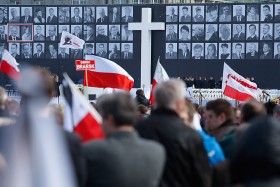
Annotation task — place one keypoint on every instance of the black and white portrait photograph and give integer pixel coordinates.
(238, 51)
(225, 13)
(62, 28)
(39, 15)
(64, 14)
(252, 12)
(51, 15)
(198, 13)
(252, 50)
(171, 51)
(101, 14)
(197, 51)
(101, 33)
(26, 33)
(127, 51)
(39, 50)
(198, 32)
(114, 14)
(76, 15)
(114, 33)
(225, 32)
(171, 32)
(76, 30)
(238, 32)
(277, 50)
(51, 33)
(127, 14)
(184, 51)
(212, 13)
(267, 12)
(2, 48)
(224, 51)
(14, 33)
(277, 13)
(3, 15)
(185, 14)
(101, 50)
(89, 14)
(14, 15)
(277, 31)
(184, 32)
(171, 13)
(89, 33)
(266, 31)
(26, 15)
(51, 50)
(211, 51)
(89, 49)
(211, 33)
(239, 13)
(63, 53)
(3, 33)
(76, 54)
(114, 51)
(127, 35)
(252, 31)
(26, 50)
(14, 49)
(266, 50)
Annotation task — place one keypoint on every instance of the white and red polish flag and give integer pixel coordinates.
(237, 87)
(69, 40)
(159, 76)
(107, 74)
(9, 65)
(79, 116)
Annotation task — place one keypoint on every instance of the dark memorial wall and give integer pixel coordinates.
(198, 38)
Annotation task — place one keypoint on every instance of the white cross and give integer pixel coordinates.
(146, 26)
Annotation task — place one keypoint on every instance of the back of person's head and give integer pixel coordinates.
(269, 107)
(139, 92)
(3, 96)
(220, 106)
(276, 111)
(142, 111)
(190, 111)
(252, 109)
(256, 154)
(13, 108)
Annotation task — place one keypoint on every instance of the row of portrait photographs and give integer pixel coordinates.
(250, 50)
(53, 51)
(75, 14)
(27, 33)
(222, 32)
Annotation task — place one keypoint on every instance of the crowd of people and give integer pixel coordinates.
(174, 143)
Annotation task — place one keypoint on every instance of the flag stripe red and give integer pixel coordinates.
(235, 94)
(9, 70)
(152, 99)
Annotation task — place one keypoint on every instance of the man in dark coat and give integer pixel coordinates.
(141, 98)
(211, 83)
(187, 162)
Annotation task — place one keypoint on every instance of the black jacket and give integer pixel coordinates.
(142, 100)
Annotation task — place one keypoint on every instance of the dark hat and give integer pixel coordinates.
(89, 45)
(38, 10)
(197, 8)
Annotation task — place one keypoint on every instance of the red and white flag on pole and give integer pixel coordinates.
(9, 65)
(237, 87)
(69, 40)
(159, 76)
(107, 74)
(79, 115)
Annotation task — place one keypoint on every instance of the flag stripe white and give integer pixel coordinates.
(69, 40)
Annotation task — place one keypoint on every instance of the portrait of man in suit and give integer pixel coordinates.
(171, 34)
(127, 14)
(101, 33)
(225, 15)
(114, 16)
(171, 51)
(3, 35)
(225, 51)
(197, 51)
(277, 51)
(61, 29)
(225, 32)
(39, 16)
(88, 49)
(88, 33)
(199, 15)
(127, 35)
(76, 53)
(52, 33)
(76, 18)
(38, 50)
(184, 51)
(127, 51)
(185, 15)
(64, 15)
(14, 33)
(266, 32)
(171, 14)
(38, 36)
(26, 16)
(212, 13)
(77, 30)
(277, 13)
(198, 33)
(51, 51)
(114, 33)
(184, 33)
(51, 15)
(266, 51)
(239, 33)
(211, 33)
(26, 50)
(252, 52)
(89, 15)
(252, 32)
(101, 50)
(2, 49)
(102, 18)
(239, 13)
(14, 49)
(239, 52)
(14, 12)
(3, 17)
(267, 13)
(277, 31)
(114, 51)
(62, 53)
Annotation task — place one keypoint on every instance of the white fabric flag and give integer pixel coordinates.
(69, 40)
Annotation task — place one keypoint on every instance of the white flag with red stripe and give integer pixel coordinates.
(9, 65)
(107, 74)
(237, 87)
(69, 40)
(159, 76)
(79, 116)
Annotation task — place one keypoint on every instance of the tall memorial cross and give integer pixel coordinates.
(146, 27)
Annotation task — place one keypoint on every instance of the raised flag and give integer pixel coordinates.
(159, 76)
(79, 116)
(237, 87)
(69, 40)
(107, 74)
(9, 65)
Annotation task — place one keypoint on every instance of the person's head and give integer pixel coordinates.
(198, 11)
(101, 47)
(14, 31)
(276, 112)
(126, 48)
(26, 30)
(266, 10)
(13, 108)
(38, 29)
(252, 47)
(239, 28)
(14, 48)
(114, 48)
(278, 48)
(89, 30)
(89, 48)
(139, 92)
(210, 29)
(26, 49)
(26, 11)
(171, 11)
(226, 10)
(51, 11)
(76, 12)
(224, 48)
(238, 48)
(211, 50)
(170, 48)
(238, 11)
(51, 47)
(252, 29)
(88, 12)
(278, 30)
(62, 50)
(118, 111)
(100, 30)
(1, 13)
(212, 10)
(52, 30)
(101, 12)
(115, 10)
(63, 12)
(266, 47)
(143, 111)
(252, 109)
(14, 12)
(266, 29)
(185, 31)
(39, 12)
(171, 29)
(77, 30)
(253, 10)
(127, 11)
(185, 47)
(217, 112)
(185, 10)
(269, 106)
(114, 30)
(39, 48)
(197, 50)
(64, 28)
(2, 29)
(188, 115)
(225, 31)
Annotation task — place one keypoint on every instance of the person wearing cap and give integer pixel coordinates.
(185, 17)
(88, 50)
(172, 17)
(225, 16)
(39, 16)
(63, 18)
(198, 17)
(212, 12)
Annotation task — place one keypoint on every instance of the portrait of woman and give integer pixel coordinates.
(253, 14)
(211, 52)
(27, 35)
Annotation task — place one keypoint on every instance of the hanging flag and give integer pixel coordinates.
(107, 74)
(159, 76)
(69, 40)
(79, 115)
(237, 87)
(9, 65)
